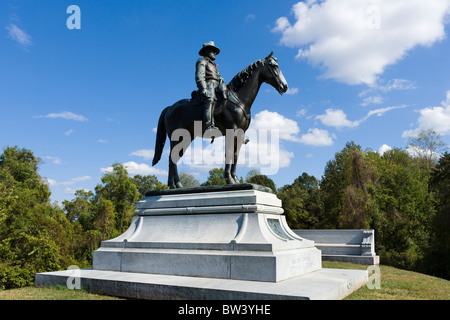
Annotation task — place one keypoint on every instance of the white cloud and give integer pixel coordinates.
(301, 113)
(373, 94)
(69, 132)
(147, 154)
(380, 112)
(355, 40)
(51, 182)
(83, 178)
(54, 160)
(292, 91)
(19, 35)
(288, 130)
(71, 191)
(264, 149)
(336, 118)
(135, 168)
(250, 17)
(377, 99)
(384, 148)
(102, 141)
(414, 151)
(436, 118)
(65, 115)
(72, 181)
(317, 137)
(267, 120)
(397, 84)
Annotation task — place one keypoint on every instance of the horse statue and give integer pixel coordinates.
(230, 114)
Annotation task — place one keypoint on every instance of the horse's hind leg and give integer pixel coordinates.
(237, 144)
(175, 155)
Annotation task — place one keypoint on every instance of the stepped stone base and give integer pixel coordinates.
(227, 242)
(218, 233)
(324, 284)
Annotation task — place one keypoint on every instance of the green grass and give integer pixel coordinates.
(55, 293)
(396, 284)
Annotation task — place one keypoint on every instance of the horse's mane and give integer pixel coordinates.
(241, 78)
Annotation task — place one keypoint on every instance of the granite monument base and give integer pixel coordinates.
(207, 239)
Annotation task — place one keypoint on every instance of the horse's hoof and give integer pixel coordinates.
(179, 185)
(231, 181)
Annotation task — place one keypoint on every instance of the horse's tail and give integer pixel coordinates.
(160, 137)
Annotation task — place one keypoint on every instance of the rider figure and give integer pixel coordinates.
(209, 82)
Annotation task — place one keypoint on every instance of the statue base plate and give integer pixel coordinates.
(227, 233)
(229, 243)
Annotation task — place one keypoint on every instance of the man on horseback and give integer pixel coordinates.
(209, 82)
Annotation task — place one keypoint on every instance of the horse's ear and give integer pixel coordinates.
(270, 54)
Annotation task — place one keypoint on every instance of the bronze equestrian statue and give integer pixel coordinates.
(230, 109)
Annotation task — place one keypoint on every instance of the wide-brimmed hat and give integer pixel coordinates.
(206, 45)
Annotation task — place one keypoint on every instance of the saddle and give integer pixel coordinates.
(197, 100)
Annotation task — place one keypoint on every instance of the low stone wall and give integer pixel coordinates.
(348, 245)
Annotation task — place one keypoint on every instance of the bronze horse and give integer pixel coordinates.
(232, 114)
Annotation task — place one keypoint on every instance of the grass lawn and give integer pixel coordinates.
(396, 284)
(56, 293)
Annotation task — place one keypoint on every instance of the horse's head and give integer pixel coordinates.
(273, 75)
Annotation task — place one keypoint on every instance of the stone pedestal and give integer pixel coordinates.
(229, 242)
(231, 232)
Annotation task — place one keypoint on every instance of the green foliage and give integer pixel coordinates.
(406, 202)
(337, 186)
(147, 183)
(34, 234)
(426, 145)
(188, 180)
(216, 177)
(107, 213)
(255, 177)
(121, 191)
(404, 209)
(302, 202)
(439, 252)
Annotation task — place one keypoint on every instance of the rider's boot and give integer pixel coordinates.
(208, 116)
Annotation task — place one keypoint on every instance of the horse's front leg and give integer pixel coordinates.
(228, 176)
(239, 136)
(234, 166)
(174, 179)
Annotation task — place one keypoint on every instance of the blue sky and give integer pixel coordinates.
(374, 72)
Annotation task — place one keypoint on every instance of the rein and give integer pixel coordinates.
(237, 102)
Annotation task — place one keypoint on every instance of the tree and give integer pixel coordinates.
(439, 251)
(107, 213)
(302, 203)
(79, 208)
(34, 234)
(404, 209)
(147, 183)
(216, 177)
(427, 145)
(337, 178)
(120, 189)
(188, 180)
(357, 206)
(254, 176)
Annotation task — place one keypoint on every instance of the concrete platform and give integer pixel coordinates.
(323, 284)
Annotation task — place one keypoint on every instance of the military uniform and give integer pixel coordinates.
(209, 83)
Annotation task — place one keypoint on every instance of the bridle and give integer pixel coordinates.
(274, 76)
